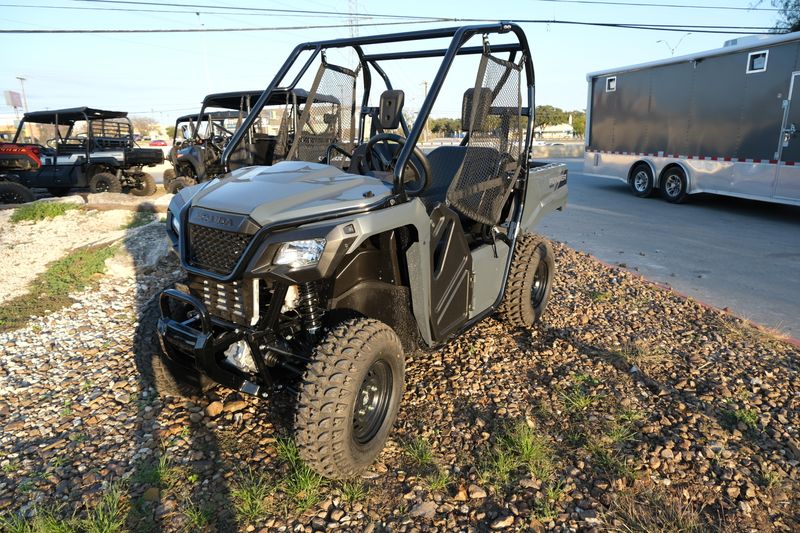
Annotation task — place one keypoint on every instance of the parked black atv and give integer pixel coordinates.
(85, 148)
(319, 272)
(200, 139)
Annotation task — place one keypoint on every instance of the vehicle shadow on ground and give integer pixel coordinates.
(177, 481)
(670, 399)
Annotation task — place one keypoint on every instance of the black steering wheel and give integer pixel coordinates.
(418, 163)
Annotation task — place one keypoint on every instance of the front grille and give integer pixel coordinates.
(235, 301)
(215, 249)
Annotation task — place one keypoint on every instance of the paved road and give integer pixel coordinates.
(740, 254)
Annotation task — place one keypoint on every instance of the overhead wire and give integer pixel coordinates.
(642, 4)
(733, 30)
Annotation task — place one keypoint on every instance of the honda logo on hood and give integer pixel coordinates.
(223, 221)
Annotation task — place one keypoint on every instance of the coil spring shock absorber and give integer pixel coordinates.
(309, 306)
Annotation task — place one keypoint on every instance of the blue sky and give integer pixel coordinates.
(165, 75)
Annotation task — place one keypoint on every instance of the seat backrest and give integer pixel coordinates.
(391, 110)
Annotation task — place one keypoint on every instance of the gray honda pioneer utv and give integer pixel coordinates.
(320, 272)
(198, 157)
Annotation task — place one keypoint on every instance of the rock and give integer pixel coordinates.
(461, 494)
(423, 510)
(214, 409)
(337, 515)
(503, 523)
(732, 491)
(152, 494)
(234, 406)
(476, 492)
(666, 453)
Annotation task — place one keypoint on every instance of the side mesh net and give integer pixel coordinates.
(328, 116)
(491, 115)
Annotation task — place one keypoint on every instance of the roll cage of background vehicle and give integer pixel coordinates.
(459, 35)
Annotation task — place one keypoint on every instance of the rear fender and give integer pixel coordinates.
(545, 192)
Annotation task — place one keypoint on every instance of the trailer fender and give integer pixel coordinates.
(647, 162)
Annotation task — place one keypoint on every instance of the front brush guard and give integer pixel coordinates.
(201, 345)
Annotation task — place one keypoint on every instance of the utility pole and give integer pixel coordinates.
(25, 104)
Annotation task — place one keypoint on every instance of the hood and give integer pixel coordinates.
(290, 189)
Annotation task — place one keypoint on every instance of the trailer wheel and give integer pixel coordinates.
(641, 181)
(530, 281)
(673, 185)
(349, 397)
(145, 185)
(15, 193)
(104, 182)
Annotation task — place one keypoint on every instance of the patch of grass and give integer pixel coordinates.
(623, 428)
(51, 289)
(11, 466)
(639, 353)
(532, 450)
(249, 495)
(495, 468)
(610, 461)
(157, 473)
(649, 509)
(108, 516)
(353, 491)
(419, 451)
(439, 481)
(44, 521)
(577, 399)
(545, 509)
(734, 415)
(302, 485)
(37, 211)
(769, 478)
(599, 296)
(138, 219)
(198, 517)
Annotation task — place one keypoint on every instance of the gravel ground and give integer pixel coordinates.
(27, 247)
(626, 402)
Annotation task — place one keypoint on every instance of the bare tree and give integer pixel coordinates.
(143, 125)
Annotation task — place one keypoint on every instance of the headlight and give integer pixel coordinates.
(298, 254)
(176, 225)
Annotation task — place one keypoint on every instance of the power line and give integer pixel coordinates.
(257, 9)
(733, 30)
(225, 30)
(134, 10)
(681, 6)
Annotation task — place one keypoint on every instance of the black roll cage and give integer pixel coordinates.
(459, 36)
(68, 118)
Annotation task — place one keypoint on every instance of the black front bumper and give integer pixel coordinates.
(194, 346)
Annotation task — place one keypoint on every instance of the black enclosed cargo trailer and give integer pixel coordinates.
(723, 121)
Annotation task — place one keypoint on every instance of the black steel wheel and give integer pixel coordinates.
(541, 284)
(104, 182)
(372, 402)
(144, 185)
(349, 397)
(14, 193)
(530, 281)
(641, 181)
(673, 185)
